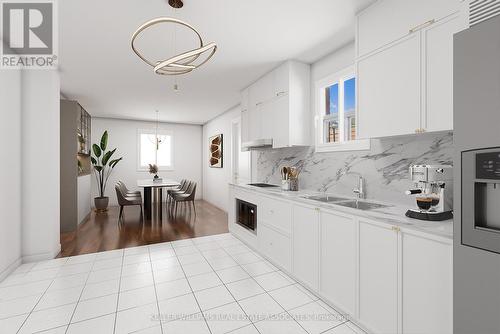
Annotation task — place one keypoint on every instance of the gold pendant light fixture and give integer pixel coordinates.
(182, 63)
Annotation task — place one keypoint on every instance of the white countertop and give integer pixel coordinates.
(394, 214)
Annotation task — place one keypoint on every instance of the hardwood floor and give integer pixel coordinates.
(102, 231)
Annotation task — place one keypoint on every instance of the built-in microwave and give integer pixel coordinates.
(246, 214)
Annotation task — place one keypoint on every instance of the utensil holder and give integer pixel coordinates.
(293, 184)
(285, 185)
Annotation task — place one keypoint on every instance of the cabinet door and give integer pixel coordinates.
(378, 278)
(255, 121)
(282, 79)
(438, 65)
(338, 258)
(262, 90)
(244, 99)
(389, 96)
(388, 20)
(305, 238)
(245, 126)
(279, 121)
(275, 246)
(427, 285)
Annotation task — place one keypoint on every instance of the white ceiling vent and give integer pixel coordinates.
(480, 10)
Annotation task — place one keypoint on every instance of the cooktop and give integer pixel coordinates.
(263, 185)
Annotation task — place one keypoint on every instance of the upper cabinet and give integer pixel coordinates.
(404, 66)
(276, 108)
(383, 101)
(389, 20)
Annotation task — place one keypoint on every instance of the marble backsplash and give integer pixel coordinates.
(384, 167)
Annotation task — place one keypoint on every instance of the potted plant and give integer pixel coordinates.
(103, 167)
(153, 169)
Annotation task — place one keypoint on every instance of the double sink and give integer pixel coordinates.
(355, 204)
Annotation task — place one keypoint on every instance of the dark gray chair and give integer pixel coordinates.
(126, 191)
(180, 188)
(124, 200)
(187, 196)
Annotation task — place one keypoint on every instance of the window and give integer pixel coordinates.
(336, 113)
(155, 148)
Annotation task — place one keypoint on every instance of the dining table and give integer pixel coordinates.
(148, 186)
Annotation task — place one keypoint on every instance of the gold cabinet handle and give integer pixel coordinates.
(421, 26)
(395, 228)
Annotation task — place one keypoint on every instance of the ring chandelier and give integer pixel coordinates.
(182, 63)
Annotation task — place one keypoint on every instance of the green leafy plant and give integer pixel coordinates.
(102, 163)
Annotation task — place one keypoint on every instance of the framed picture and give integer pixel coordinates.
(216, 151)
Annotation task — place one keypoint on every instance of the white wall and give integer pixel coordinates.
(40, 164)
(83, 197)
(123, 135)
(215, 180)
(10, 171)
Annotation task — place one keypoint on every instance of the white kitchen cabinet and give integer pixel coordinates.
(378, 277)
(338, 260)
(405, 66)
(276, 246)
(282, 80)
(245, 125)
(279, 107)
(427, 289)
(388, 20)
(438, 71)
(244, 100)
(389, 90)
(261, 91)
(277, 214)
(305, 240)
(388, 279)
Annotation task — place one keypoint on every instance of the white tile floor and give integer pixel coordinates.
(212, 284)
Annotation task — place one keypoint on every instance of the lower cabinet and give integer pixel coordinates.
(378, 277)
(305, 238)
(338, 259)
(386, 278)
(276, 246)
(427, 289)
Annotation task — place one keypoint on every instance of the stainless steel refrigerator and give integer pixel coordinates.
(476, 256)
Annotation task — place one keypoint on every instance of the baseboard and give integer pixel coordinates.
(42, 256)
(10, 269)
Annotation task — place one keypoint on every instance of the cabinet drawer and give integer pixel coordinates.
(275, 246)
(277, 214)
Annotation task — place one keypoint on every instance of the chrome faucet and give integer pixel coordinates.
(360, 190)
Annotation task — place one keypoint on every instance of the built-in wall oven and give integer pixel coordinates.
(481, 199)
(246, 214)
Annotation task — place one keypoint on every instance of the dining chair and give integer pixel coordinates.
(187, 197)
(126, 191)
(183, 187)
(124, 200)
(177, 188)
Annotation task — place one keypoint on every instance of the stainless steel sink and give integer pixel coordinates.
(325, 198)
(362, 205)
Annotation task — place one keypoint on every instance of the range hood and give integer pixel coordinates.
(256, 144)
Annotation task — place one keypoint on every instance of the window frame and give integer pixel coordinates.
(152, 132)
(320, 105)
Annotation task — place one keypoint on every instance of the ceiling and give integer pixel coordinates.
(99, 69)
